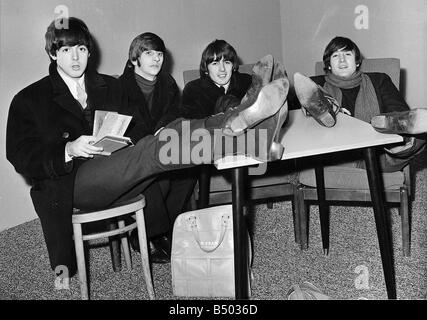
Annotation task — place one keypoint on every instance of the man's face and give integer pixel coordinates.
(220, 71)
(343, 63)
(72, 60)
(149, 64)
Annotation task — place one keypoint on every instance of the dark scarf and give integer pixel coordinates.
(366, 105)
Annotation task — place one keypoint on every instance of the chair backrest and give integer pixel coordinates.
(190, 75)
(389, 66)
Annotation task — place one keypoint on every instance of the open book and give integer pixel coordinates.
(109, 128)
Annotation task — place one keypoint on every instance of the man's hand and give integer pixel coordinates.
(82, 147)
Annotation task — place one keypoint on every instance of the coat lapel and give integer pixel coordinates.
(96, 89)
(62, 95)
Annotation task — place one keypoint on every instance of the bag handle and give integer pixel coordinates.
(195, 231)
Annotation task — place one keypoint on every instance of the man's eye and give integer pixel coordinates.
(228, 62)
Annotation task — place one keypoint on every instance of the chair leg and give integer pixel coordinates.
(323, 206)
(192, 203)
(270, 205)
(142, 236)
(303, 218)
(406, 227)
(114, 247)
(81, 265)
(125, 246)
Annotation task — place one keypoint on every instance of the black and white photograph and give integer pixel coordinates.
(272, 150)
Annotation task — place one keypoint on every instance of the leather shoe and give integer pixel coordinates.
(315, 101)
(269, 101)
(410, 122)
(261, 76)
(159, 247)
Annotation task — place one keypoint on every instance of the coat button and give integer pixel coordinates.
(65, 135)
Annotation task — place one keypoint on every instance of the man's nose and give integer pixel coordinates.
(341, 57)
(75, 53)
(221, 66)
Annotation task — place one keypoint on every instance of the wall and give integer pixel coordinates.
(187, 26)
(396, 29)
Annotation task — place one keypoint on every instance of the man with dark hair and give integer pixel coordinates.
(49, 139)
(220, 82)
(153, 96)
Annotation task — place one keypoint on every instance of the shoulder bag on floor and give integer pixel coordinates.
(202, 259)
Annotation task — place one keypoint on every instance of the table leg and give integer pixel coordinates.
(323, 206)
(381, 221)
(204, 185)
(240, 233)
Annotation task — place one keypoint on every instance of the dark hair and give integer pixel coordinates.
(339, 43)
(68, 32)
(144, 42)
(215, 51)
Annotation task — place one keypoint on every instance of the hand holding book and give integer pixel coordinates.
(108, 130)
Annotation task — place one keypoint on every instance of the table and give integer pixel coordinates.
(303, 137)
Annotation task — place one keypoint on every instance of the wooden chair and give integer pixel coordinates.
(397, 185)
(214, 187)
(118, 211)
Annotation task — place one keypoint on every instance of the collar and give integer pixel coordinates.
(224, 86)
(71, 83)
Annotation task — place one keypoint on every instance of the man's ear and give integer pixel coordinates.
(52, 57)
(134, 62)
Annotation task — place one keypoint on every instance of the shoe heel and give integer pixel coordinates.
(327, 120)
(276, 151)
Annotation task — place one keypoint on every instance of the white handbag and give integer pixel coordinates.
(202, 258)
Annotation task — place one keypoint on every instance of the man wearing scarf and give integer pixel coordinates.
(363, 96)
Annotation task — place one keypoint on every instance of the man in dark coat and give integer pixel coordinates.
(49, 139)
(362, 95)
(153, 96)
(49, 131)
(220, 84)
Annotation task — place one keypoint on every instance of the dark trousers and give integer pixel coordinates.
(165, 199)
(102, 181)
(128, 172)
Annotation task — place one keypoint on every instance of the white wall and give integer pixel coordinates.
(187, 26)
(297, 30)
(396, 29)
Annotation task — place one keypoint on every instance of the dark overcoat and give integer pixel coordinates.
(200, 96)
(166, 100)
(42, 118)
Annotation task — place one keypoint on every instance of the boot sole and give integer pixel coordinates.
(269, 101)
(261, 75)
(313, 101)
(406, 122)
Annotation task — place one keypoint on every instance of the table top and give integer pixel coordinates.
(302, 136)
